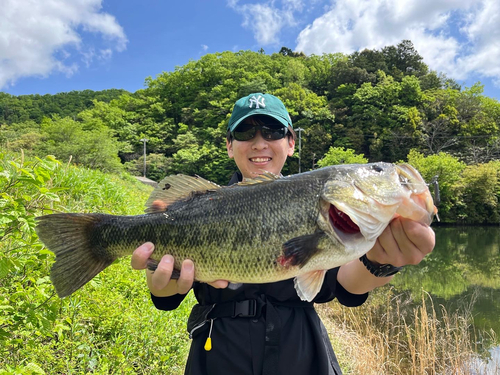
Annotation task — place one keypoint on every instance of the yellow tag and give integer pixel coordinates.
(208, 344)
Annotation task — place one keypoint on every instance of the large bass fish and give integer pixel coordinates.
(263, 230)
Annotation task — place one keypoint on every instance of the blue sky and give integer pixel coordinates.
(56, 46)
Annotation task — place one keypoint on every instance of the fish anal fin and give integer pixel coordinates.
(298, 250)
(174, 188)
(234, 286)
(309, 284)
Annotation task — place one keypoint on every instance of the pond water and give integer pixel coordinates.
(463, 272)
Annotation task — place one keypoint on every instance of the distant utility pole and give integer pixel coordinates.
(300, 142)
(144, 140)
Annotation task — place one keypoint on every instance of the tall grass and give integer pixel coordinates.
(388, 335)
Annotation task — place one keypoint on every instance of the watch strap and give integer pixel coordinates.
(379, 270)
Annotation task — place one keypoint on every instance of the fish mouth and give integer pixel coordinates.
(341, 221)
(357, 206)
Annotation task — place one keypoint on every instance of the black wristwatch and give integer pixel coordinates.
(382, 270)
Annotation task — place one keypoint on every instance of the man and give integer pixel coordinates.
(275, 332)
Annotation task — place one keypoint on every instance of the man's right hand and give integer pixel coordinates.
(159, 282)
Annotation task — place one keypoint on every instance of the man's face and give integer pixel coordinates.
(259, 155)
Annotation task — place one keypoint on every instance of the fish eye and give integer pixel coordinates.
(377, 168)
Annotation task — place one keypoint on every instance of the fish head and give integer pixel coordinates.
(359, 201)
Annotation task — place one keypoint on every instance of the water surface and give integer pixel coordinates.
(462, 273)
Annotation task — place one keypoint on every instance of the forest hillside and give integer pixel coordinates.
(383, 105)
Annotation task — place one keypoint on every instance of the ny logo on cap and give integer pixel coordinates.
(258, 101)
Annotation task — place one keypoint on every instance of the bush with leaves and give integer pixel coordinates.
(66, 138)
(341, 155)
(448, 171)
(480, 193)
(157, 166)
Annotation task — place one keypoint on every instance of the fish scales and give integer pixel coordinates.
(264, 230)
(227, 232)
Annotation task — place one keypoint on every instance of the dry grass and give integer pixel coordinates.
(389, 336)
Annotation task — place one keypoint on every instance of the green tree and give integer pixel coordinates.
(448, 171)
(157, 166)
(403, 60)
(340, 155)
(310, 113)
(67, 140)
(480, 193)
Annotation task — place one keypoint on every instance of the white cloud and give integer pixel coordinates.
(266, 19)
(458, 38)
(204, 47)
(36, 37)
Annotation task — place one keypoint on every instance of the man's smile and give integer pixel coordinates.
(260, 160)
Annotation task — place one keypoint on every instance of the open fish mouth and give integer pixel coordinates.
(363, 202)
(341, 221)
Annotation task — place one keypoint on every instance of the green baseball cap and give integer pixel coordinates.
(259, 104)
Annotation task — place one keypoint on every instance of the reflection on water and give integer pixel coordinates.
(492, 366)
(462, 274)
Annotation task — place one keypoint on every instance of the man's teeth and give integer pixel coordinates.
(260, 160)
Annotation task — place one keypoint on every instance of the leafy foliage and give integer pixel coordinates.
(110, 326)
(481, 192)
(156, 166)
(340, 155)
(66, 138)
(15, 109)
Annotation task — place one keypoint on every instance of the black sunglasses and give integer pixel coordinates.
(270, 132)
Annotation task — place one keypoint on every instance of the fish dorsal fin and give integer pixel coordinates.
(176, 187)
(262, 178)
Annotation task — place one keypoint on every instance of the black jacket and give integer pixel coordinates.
(284, 336)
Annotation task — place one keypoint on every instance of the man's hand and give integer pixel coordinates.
(159, 281)
(403, 242)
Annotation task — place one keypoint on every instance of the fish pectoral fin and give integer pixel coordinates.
(177, 187)
(309, 284)
(298, 250)
(175, 274)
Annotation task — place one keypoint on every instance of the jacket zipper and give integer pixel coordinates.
(202, 323)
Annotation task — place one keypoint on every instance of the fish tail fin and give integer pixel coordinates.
(79, 258)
